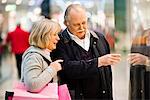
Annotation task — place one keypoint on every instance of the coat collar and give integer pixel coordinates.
(94, 34)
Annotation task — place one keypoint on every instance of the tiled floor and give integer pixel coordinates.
(120, 78)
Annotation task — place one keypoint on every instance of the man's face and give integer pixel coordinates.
(77, 23)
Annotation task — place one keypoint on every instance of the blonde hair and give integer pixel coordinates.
(40, 32)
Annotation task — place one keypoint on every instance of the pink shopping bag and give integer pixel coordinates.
(63, 92)
(50, 92)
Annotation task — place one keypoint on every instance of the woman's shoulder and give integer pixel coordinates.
(32, 52)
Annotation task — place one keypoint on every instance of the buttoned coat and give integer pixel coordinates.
(84, 78)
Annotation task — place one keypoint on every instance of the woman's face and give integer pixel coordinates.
(54, 38)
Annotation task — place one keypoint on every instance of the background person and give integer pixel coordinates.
(18, 40)
(140, 76)
(86, 66)
(140, 67)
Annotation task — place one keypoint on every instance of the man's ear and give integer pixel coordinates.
(66, 23)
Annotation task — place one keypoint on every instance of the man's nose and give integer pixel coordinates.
(81, 27)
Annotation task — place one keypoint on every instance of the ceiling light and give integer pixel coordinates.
(18, 2)
(31, 3)
(4, 1)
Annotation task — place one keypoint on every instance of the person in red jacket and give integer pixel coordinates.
(18, 40)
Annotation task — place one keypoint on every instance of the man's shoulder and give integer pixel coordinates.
(64, 36)
(97, 34)
(63, 32)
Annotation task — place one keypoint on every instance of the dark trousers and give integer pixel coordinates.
(137, 77)
(147, 85)
(140, 83)
(18, 62)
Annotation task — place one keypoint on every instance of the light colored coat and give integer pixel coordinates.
(34, 69)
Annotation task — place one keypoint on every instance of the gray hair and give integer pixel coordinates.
(72, 6)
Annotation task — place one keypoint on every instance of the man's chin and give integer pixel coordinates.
(82, 37)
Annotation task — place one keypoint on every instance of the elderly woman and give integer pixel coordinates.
(37, 68)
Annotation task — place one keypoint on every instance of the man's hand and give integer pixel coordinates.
(109, 59)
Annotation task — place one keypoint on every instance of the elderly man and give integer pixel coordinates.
(86, 68)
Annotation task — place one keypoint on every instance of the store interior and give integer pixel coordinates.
(121, 21)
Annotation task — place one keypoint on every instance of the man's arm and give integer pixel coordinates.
(72, 68)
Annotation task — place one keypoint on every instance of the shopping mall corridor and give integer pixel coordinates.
(120, 77)
(8, 74)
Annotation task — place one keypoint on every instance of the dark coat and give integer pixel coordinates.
(85, 80)
(139, 77)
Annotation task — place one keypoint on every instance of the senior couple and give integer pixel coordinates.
(81, 59)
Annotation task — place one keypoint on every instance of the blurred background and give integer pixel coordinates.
(121, 21)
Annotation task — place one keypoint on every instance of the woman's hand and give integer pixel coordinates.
(56, 65)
